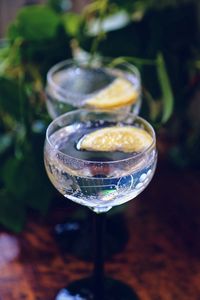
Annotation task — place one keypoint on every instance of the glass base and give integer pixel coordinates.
(82, 290)
(75, 237)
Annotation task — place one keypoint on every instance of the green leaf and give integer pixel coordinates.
(14, 175)
(5, 142)
(12, 215)
(26, 181)
(4, 53)
(167, 93)
(134, 60)
(34, 23)
(9, 97)
(71, 23)
(153, 106)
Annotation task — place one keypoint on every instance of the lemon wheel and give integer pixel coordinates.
(125, 139)
(120, 92)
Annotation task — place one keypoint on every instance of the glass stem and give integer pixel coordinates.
(98, 273)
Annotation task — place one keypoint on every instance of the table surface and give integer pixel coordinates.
(161, 260)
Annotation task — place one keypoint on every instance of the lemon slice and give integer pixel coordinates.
(120, 92)
(125, 139)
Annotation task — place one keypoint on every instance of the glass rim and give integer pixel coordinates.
(146, 150)
(57, 66)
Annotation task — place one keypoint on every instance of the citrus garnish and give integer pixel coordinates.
(125, 139)
(120, 92)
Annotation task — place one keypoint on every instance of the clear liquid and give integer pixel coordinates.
(77, 84)
(88, 181)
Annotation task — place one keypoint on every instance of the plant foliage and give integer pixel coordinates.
(35, 41)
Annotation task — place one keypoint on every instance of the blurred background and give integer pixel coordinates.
(162, 38)
(9, 10)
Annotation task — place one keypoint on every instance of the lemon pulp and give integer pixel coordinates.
(126, 139)
(120, 92)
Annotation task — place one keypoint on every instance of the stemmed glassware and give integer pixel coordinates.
(83, 166)
(71, 84)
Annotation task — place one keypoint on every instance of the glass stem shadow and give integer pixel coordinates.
(99, 221)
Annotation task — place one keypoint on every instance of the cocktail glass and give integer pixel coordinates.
(71, 83)
(99, 180)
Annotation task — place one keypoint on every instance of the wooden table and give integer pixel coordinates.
(161, 260)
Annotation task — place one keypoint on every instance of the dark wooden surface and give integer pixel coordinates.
(161, 260)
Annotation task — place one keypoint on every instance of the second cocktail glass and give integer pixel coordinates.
(72, 84)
